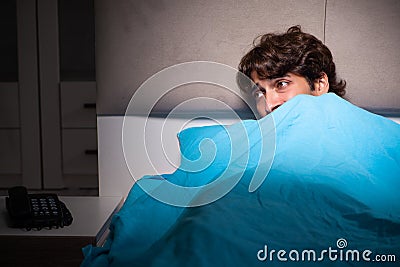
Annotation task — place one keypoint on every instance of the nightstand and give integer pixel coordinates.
(62, 246)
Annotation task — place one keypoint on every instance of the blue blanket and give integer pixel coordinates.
(321, 188)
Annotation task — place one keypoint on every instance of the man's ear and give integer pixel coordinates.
(321, 85)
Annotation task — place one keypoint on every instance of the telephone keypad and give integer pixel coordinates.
(44, 206)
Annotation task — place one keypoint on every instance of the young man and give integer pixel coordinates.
(285, 65)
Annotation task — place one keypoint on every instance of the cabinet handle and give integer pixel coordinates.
(89, 105)
(91, 152)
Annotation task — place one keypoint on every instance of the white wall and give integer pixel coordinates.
(364, 36)
(137, 38)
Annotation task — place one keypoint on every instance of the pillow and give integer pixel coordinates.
(203, 152)
(219, 151)
(191, 140)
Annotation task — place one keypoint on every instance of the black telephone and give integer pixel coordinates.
(36, 210)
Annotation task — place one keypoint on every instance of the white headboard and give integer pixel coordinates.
(114, 176)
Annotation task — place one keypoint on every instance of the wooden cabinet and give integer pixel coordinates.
(48, 136)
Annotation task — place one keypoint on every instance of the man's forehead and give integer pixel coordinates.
(256, 77)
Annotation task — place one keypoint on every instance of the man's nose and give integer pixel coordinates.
(272, 100)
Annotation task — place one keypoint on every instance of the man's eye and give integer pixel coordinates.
(282, 84)
(258, 93)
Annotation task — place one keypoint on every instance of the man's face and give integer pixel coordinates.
(272, 93)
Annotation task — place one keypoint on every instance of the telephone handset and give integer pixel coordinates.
(36, 210)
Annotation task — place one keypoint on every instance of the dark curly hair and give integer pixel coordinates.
(274, 55)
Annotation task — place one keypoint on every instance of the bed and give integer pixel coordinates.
(316, 182)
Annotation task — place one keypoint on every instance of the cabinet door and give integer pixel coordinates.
(78, 105)
(19, 107)
(9, 105)
(78, 93)
(47, 21)
(79, 134)
(10, 155)
(80, 157)
(28, 84)
(67, 83)
(44, 43)
(10, 142)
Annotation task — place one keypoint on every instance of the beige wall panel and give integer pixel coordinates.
(135, 39)
(364, 36)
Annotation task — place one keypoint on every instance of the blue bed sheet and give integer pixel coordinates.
(330, 198)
